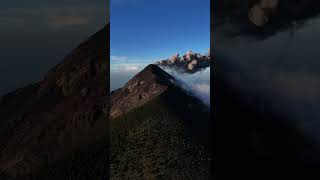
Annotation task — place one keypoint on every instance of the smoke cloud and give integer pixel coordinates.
(189, 63)
(263, 18)
(196, 84)
(281, 70)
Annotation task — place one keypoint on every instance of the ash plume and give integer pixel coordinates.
(188, 63)
(263, 18)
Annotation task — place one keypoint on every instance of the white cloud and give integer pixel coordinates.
(202, 88)
(197, 84)
(131, 68)
(119, 58)
(126, 68)
(202, 91)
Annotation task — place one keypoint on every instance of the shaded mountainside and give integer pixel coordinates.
(165, 137)
(45, 126)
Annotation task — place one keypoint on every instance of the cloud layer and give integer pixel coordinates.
(119, 58)
(197, 84)
(282, 69)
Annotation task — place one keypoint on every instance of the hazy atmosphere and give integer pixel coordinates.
(282, 67)
(36, 35)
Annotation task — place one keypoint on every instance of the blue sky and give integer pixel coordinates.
(143, 31)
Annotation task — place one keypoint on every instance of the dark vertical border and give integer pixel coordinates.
(213, 128)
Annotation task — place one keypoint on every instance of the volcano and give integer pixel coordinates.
(158, 131)
(147, 84)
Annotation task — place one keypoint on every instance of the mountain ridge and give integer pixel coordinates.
(165, 137)
(144, 86)
(49, 121)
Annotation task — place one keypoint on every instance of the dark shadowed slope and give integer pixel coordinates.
(57, 128)
(162, 137)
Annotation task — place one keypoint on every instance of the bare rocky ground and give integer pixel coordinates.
(146, 85)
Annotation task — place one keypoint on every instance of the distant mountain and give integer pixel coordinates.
(57, 128)
(158, 131)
